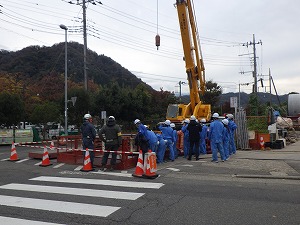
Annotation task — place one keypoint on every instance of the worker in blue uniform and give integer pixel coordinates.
(142, 138)
(216, 138)
(232, 127)
(161, 148)
(167, 133)
(186, 139)
(175, 137)
(203, 136)
(226, 138)
(152, 139)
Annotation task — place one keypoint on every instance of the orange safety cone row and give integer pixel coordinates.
(262, 143)
(13, 153)
(45, 160)
(87, 164)
(139, 169)
(151, 166)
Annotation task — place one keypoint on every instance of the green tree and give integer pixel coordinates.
(212, 95)
(46, 112)
(11, 110)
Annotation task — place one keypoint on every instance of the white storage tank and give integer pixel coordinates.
(293, 104)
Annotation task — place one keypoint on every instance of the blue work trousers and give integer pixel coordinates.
(161, 149)
(170, 145)
(215, 148)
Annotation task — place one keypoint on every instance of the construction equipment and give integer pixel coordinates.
(194, 67)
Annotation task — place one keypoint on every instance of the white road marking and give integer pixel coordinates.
(78, 168)
(59, 165)
(114, 174)
(23, 160)
(4, 159)
(187, 165)
(134, 184)
(173, 169)
(37, 164)
(58, 206)
(16, 221)
(74, 191)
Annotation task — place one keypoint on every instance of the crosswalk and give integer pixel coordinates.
(43, 186)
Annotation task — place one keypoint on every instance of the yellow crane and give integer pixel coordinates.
(194, 67)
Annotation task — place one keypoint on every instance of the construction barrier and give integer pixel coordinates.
(127, 157)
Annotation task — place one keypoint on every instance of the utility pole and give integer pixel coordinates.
(83, 3)
(180, 83)
(254, 67)
(254, 61)
(84, 45)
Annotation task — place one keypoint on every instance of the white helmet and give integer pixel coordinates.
(137, 121)
(111, 118)
(87, 116)
(168, 122)
(225, 121)
(203, 120)
(172, 125)
(229, 116)
(193, 117)
(215, 115)
(186, 121)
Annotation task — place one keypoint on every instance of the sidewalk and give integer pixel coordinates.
(272, 164)
(268, 164)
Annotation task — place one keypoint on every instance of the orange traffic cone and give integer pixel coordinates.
(52, 147)
(45, 160)
(87, 164)
(139, 169)
(151, 167)
(13, 153)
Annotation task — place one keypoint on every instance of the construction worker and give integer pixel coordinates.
(161, 148)
(232, 127)
(186, 139)
(215, 136)
(152, 139)
(226, 138)
(111, 134)
(167, 133)
(194, 129)
(175, 137)
(142, 138)
(88, 133)
(203, 136)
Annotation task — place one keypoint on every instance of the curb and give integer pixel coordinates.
(268, 177)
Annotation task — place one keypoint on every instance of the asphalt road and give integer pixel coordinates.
(243, 190)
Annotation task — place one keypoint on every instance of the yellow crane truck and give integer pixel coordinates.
(194, 67)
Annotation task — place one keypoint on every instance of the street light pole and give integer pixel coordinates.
(66, 78)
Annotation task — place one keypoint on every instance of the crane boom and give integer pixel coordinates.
(194, 66)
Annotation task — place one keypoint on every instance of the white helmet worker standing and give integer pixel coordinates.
(215, 136)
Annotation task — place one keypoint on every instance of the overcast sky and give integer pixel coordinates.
(125, 31)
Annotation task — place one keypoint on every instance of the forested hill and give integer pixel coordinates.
(35, 62)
